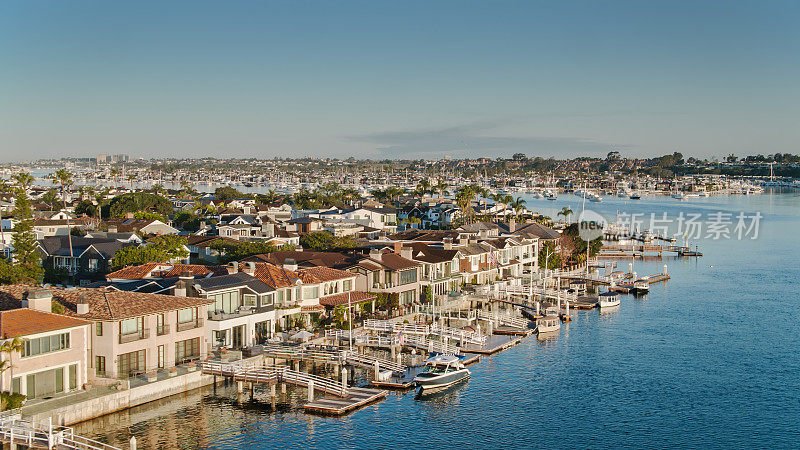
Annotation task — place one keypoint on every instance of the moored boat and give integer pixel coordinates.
(608, 299)
(548, 324)
(442, 370)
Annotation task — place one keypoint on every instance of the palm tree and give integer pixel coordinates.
(64, 178)
(441, 187)
(131, 178)
(566, 212)
(423, 187)
(517, 205)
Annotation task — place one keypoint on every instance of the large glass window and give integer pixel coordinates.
(226, 302)
(47, 344)
(347, 285)
(311, 292)
(267, 300)
(408, 276)
(131, 326)
(188, 350)
(187, 315)
(129, 364)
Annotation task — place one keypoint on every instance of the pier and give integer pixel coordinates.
(344, 398)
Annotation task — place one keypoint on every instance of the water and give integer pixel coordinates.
(708, 359)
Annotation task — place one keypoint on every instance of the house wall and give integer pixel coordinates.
(75, 354)
(108, 345)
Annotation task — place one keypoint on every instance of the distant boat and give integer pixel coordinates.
(635, 196)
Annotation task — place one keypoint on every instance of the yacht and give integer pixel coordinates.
(635, 196)
(442, 370)
(608, 299)
(550, 195)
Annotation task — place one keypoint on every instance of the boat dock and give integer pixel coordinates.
(341, 400)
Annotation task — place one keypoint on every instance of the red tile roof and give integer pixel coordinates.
(105, 304)
(320, 274)
(24, 322)
(165, 270)
(342, 299)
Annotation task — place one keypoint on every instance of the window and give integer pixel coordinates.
(47, 344)
(73, 377)
(408, 297)
(131, 326)
(187, 350)
(250, 300)
(187, 315)
(311, 292)
(160, 356)
(98, 328)
(16, 385)
(408, 276)
(59, 379)
(100, 366)
(226, 302)
(130, 364)
(279, 298)
(267, 300)
(347, 285)
(92, 265)
(161, 329)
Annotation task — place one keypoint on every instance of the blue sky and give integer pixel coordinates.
(398, 79)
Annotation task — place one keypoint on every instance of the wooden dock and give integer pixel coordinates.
(336, 406)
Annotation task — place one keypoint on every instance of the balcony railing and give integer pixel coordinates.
(197, 323)
(162, 330)
(130, 337)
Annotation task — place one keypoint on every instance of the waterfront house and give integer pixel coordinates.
(131, 332)
(53, 359)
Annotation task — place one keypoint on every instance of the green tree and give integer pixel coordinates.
(323, 241)
(234, 251)
(50, 198)
(26, 266)
(139, 201)
(159, 249)
(7, 348)
(566, 212)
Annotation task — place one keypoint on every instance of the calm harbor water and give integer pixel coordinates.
(709, 359)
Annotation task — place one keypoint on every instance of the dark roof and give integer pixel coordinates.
(59, 245)
(231, 281)
(425, 253)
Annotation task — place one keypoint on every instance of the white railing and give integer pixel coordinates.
(459, 335)
(16, 431)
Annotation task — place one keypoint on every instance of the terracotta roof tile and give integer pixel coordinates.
(24, 322)
(106, 304)
(342, 299)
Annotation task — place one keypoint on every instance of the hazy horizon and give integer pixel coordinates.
(398, 80)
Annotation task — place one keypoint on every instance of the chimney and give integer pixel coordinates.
(249, 268)
(112, 229)
(129, 215)
(290, 264)
(398, 246)
(181, 288)
(38, 300)
(448, 243)
(406, 252)
(512, 225)
(233, 267)
(375, 254)
(202, 225)
(82, 305)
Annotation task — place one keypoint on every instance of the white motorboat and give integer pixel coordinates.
(608, 299)
(548, 324)
(641, 286)
(442, 371)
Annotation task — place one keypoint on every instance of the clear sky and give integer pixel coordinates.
(383, 79)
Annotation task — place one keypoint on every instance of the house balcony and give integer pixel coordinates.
(137, 336)
(161, 330)
(197, 323)
(241, 312)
